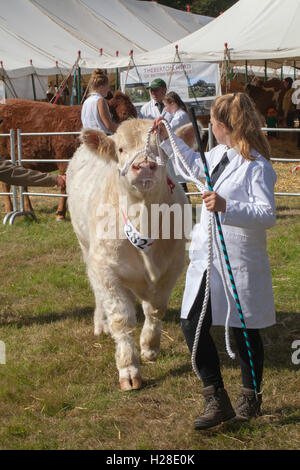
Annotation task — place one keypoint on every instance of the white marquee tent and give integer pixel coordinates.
(53, 31)
(254, 30)
(49, 33)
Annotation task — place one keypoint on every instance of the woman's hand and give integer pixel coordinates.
(214, 202)
(159, 127)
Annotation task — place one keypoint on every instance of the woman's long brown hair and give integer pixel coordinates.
(238, 112)
(173, 97)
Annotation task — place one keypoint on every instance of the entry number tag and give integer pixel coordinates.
(136, 238)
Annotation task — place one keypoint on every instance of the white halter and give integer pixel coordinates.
(148, 153)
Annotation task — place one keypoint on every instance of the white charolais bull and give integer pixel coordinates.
(101, 201)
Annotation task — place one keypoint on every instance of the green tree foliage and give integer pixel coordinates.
(200, 7)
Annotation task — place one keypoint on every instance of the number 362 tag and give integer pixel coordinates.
(136, 238)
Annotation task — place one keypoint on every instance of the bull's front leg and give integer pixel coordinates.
(154, 309)
(151, 332)
(116, 305)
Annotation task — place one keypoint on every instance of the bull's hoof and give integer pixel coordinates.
(127, 385)
(149, 355)
(100, 329)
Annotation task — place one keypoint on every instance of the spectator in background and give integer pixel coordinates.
(155, 108)
(288, 106)
(52, 90)
(177, 109)
(95, 112)
(272, 121)
(296, 101)
(178, 117)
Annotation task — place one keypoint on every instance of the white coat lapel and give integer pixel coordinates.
(232, 166)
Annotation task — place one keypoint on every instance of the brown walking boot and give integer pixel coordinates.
(217, 408)
(248, 404)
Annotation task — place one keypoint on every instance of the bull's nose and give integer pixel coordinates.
(144, 166)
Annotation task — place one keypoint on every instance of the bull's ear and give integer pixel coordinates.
(99, 143)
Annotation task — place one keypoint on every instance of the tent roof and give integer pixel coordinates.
(255, 31)
(49, 31)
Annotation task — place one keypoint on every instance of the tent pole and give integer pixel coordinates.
(266, 73)
(33, 84)
(78, 85)
(117, 83)
(281, 73)
(229, 73)
(33, 87)
(8, 81)
(246, 71)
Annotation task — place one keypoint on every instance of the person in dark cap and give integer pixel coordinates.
(155, 107)
(288, 106)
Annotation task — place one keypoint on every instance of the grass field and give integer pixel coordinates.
(59, 386)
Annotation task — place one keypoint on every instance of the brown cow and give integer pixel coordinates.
(266, 94)
(34, 116)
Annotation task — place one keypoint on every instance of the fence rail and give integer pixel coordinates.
(17, 212)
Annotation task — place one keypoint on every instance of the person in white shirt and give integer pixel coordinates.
(155, 107)
(95, 112)
(243, 182)
(178, 117)
(177, 109)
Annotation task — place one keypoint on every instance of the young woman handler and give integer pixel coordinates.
(95, 112)
(243, 193)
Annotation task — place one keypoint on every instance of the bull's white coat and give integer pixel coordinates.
(120, 273)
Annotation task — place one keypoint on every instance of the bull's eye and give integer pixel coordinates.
(120, 150)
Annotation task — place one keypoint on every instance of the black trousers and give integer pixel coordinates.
(207, 358)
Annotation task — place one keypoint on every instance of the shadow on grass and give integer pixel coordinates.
(51, 317)
(277, 339)
(284, 216)
(176, 372)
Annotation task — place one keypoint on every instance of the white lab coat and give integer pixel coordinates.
(150, 111)
(178, 119)
(248, 188)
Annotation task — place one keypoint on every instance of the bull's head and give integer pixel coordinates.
(142, 174)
